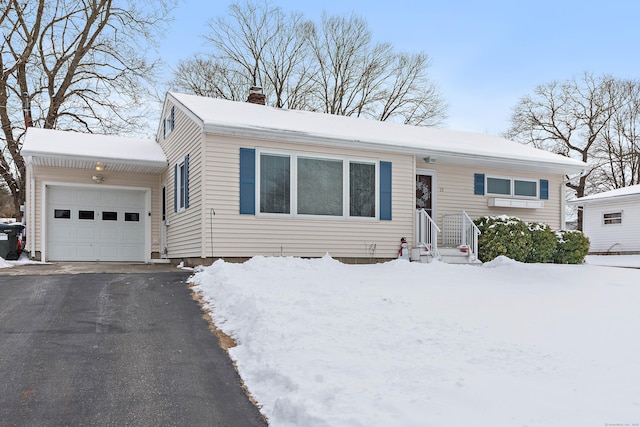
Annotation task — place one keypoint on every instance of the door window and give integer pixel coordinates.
(424, 193)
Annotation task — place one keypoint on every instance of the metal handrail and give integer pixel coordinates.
(473, 230)
(427, 232)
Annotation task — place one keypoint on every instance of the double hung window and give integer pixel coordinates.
(181, 185)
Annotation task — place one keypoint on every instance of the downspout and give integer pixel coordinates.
(31, 216)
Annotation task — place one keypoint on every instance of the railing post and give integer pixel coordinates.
(464, 229)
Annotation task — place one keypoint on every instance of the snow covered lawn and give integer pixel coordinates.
(321, 343)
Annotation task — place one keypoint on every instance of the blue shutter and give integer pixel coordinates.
(385, 191)
(176, 171)
(544, 189)
(247, 181)
(186, 179)
(164, 128)
(478, 184)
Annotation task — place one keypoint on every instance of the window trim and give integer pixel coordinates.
(293, 184)
(613, 220)
(512, 187)
(181, 183)
(168, 124)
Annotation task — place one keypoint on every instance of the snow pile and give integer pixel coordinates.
(614, 260)
(321, 343)
(23, 260)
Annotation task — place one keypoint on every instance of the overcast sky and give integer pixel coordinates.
(485, 55)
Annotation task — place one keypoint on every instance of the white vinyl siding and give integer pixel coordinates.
(184, 230)
(454, 192)
(236, 235)
(622, 234)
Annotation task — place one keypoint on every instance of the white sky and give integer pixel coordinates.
(485, 55)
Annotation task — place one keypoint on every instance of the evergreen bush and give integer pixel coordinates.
(528, 242)
(543, 243)
(572, 247)
(503, 235)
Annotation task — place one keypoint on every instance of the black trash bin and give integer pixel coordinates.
(9, 233)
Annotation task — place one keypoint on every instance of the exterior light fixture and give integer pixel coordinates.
(97, 178)
(99, 166)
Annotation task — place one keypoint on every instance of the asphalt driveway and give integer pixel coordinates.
(112, 349)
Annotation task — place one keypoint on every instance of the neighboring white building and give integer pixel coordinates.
(611, 220)
(234, 180)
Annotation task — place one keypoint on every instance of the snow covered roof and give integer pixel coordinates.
(632, 191)
(55, 148)
(258, 121)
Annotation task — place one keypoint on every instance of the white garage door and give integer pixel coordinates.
(90, 224)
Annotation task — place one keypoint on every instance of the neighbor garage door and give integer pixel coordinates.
(90, 224)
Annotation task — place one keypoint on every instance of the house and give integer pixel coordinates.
(239, 179)
(611, 220)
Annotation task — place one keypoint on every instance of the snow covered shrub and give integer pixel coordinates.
(572, 247)
(543, 243)
(503, 235)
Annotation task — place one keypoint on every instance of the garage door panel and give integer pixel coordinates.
(87, 197)
(128, 251)
(106, 233)
(86, 233)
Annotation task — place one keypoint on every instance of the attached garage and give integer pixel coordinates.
(89, 224)
(93, 197)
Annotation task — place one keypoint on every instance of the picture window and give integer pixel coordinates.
(305, 185)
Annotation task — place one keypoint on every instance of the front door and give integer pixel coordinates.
(424, 195)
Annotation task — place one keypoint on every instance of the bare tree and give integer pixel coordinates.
(6, 202)
(410, 95)
(618, 148)
(75, 65)
(568, 119)
(208, 77)
(358, 78)
(333, 67)
(256, 45)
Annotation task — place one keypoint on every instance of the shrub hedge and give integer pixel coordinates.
(572, 247)
(528, 242)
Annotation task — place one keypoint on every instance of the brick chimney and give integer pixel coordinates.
(256, 96)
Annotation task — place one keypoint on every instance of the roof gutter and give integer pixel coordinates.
(150, 163)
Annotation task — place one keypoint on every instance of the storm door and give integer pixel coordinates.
(424, 195)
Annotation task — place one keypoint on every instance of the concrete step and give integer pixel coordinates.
(457, 256)
(448, 255)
